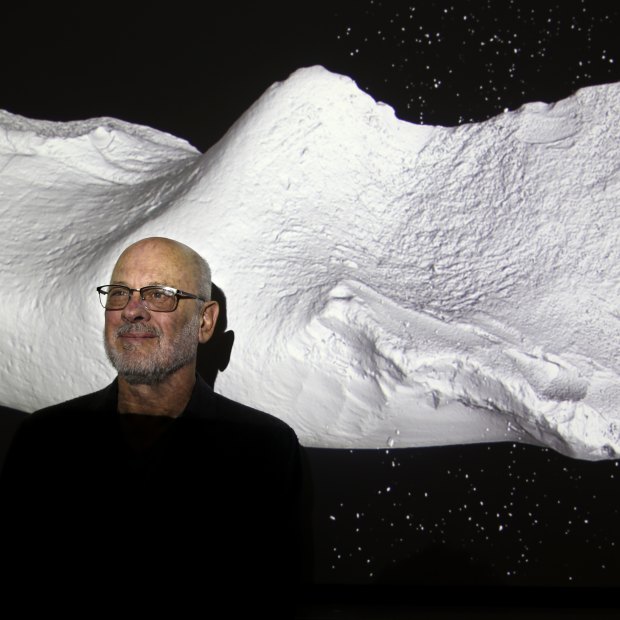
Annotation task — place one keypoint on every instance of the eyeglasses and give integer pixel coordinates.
(156, 298)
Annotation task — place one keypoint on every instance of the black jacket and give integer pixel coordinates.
(212, 502)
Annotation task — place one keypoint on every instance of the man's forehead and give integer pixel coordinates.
(150, 275)
(156, 247)
(153, 263)
(160, 282)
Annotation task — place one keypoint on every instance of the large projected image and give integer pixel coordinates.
(390, 285)
(411, 214)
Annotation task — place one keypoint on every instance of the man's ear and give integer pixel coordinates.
(208, 321)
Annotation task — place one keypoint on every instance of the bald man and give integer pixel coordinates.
(156, 483)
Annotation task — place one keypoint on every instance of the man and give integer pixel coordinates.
(156, 483)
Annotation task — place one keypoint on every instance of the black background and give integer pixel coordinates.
(502, 514)
(193, 69)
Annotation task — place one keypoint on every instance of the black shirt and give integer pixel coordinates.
(198, 504)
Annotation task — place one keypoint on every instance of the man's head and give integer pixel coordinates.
(144, 345)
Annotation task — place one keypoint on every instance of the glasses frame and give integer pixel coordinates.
(178, 294)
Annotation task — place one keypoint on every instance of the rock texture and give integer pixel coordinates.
(389, 285)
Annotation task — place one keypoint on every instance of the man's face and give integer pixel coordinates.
(145, 346)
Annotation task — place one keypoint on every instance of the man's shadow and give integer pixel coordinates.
(214, 355)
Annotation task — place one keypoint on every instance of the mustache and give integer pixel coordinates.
(137, 328)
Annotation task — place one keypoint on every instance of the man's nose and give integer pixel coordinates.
(135, 310)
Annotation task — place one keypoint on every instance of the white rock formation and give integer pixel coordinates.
(389, 285)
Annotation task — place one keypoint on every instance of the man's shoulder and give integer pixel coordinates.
(222, 409)
(47, 434)
(248, 429)
(258, 446)
(243, 414)
(69, 409)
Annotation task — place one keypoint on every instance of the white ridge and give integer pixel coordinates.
(389, 285)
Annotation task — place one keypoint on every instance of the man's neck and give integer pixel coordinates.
(168, 398)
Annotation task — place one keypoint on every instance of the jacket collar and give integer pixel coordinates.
(202, 402)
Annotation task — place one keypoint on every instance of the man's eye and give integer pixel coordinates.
(117, 292)
(159, 295)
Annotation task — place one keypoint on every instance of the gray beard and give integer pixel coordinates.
(165, 361)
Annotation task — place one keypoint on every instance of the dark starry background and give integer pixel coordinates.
(502, 514)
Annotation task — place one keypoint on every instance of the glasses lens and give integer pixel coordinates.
(159, 299)
(114, 297)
